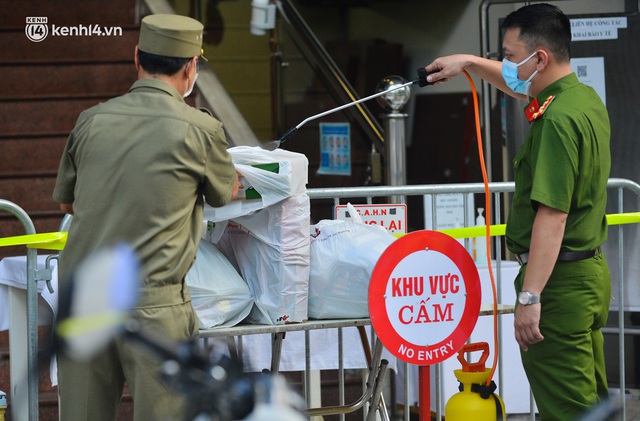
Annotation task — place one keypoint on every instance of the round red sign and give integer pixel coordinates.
(424, 297)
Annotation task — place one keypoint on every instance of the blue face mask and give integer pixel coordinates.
(510, 75)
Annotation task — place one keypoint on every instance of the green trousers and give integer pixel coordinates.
(566, 370)
(92, 390)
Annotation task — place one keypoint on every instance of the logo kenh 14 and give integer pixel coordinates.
(37, 30)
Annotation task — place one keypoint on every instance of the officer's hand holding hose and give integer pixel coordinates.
(445, 68)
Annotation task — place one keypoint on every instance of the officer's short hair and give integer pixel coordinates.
(542, 25)
(161, 65)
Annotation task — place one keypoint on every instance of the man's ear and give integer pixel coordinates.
(543, 59)
(136, 60)
(191, 63)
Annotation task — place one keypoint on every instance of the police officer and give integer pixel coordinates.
(137, 169)
(557, 222)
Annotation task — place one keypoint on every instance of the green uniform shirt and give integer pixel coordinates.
(136, 169)
(564, 164)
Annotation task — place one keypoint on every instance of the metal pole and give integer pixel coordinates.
(32, 329)
(17, 391)
(621, 305)
(395, 152)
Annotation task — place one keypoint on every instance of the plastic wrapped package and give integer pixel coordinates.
(343, 256)
(270, 249)
(290, 178)
(220, 297)
(266, 233)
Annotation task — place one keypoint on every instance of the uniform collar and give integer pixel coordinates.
(155, 85)
(538, 105)
(558, 86)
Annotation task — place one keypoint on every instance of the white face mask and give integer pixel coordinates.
(510, 75)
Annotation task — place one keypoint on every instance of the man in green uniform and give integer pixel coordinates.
(137, 169)
(557, 222)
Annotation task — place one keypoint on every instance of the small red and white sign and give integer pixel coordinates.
(424, 297)
(392, 217)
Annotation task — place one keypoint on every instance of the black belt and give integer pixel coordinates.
(564, 256)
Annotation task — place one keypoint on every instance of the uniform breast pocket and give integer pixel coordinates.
(517, 161)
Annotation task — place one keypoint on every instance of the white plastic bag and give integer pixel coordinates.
(343, 256)
(267, 239)
(290, 179)
(270, 249)
(219, 295)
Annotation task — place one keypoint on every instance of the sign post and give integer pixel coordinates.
(424, 301)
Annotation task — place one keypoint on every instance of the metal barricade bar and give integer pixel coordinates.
(22, 388)
(340, 195)
(336, 194)
(377, 366)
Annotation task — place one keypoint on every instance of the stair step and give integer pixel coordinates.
(33, 194)
(62, 81)
(68, 12)
(45, 87)
(16, 48)
(42, 118)
(31, 155)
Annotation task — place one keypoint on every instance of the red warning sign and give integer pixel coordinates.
(424, 297)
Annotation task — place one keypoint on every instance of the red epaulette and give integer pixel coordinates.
(535, 111)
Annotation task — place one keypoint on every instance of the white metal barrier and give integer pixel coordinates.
(24, 374)
(368, 195)
(499, 197)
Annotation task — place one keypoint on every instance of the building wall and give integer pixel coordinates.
(425, 29)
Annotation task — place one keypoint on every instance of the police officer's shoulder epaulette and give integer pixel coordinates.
(204, 119)
(206, 111)
(535, 111)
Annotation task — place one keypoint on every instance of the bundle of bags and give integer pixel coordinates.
(343, 256)
(273, 267)
(219, 295)
(265, 232)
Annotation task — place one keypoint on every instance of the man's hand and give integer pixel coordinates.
(444, 68)
(67, 208)
(237, 185)
(526, 324)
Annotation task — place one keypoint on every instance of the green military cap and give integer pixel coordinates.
(171, 36)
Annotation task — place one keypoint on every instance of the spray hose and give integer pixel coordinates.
(487, 206)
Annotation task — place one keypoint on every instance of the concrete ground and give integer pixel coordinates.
(632, 406)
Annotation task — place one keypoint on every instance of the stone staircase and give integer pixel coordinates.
(45, 85)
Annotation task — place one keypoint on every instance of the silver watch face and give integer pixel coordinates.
(523, 297)
(526, 298)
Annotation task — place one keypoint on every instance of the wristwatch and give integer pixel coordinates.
(526, 298)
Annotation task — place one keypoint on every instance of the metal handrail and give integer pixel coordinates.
(419, 189)
(32, 322)
(330, 74)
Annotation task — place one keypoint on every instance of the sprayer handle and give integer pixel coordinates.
(422, 77)
(477, 366)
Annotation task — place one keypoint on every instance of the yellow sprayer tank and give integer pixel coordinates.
(476, 400)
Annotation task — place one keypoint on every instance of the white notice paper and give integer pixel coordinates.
(590, 71)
